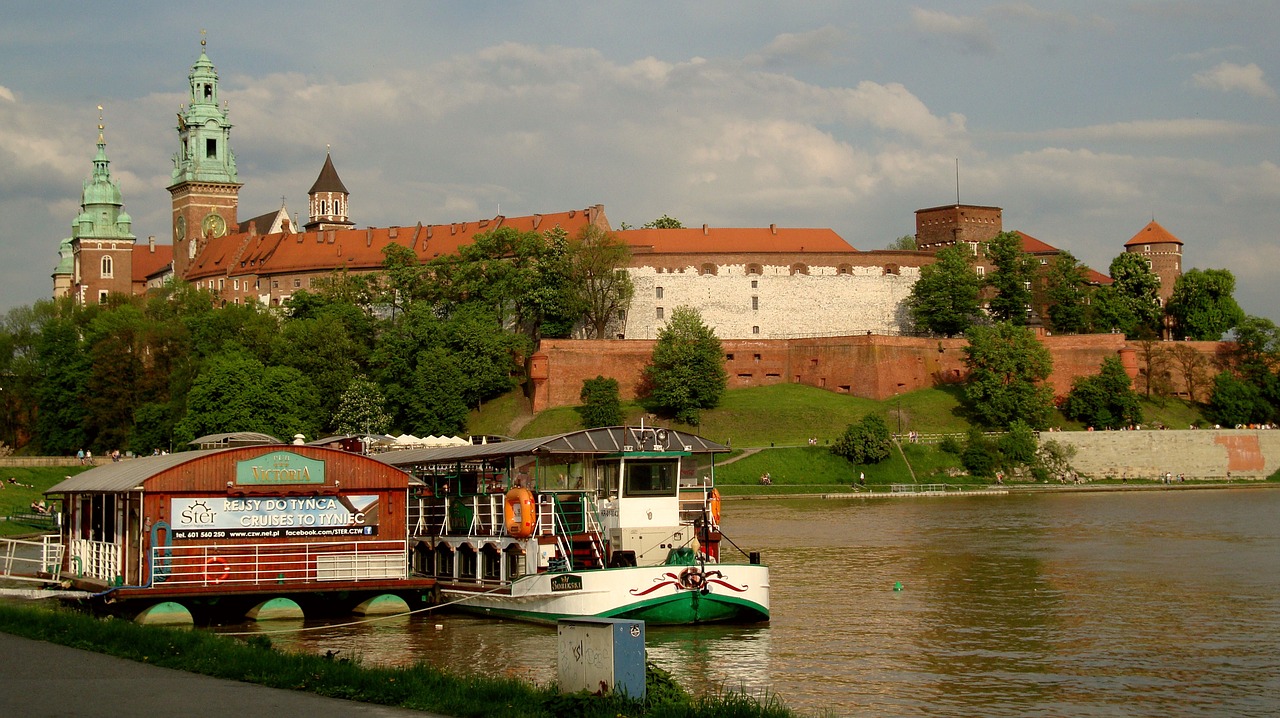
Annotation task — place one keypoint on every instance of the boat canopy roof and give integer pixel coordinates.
(604, 440)
(123, 476)
(235, 438)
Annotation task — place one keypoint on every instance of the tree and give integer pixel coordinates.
(1153, 368)
(1193, 365)
(599, 260)
(906, 242)
(1007, 368)
(1066, 295)
(437, 405)
(866, 442)
(1130, 304)
(1011, 278)
(236, 392)
(686, 373)
(322, 350)
(1236, 402)
(1105, 400)
(600, 403)
(362, 409)
(663, 222)
(944, 301)
(1202, 305)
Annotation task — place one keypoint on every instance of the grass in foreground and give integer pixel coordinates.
(421, 687)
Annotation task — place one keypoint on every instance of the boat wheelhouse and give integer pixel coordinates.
(619, 522)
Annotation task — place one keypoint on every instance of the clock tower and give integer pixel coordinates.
(205, 189)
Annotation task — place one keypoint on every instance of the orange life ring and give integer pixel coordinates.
(520, 512)
(216, 561)
(713, 505)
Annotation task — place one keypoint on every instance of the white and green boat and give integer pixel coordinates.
(617, 522)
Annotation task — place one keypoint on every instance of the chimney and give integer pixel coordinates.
(773, 229)
(151, 244)
(704, 230)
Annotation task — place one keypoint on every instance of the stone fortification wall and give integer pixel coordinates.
(1201, 454)
(870, 366)
(775, 297)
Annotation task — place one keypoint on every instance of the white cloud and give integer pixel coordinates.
(973, 34)
(1230, 77)
(816, 47)
(1150, 131)
(6, 94)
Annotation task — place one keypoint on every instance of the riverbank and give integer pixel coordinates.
(418, 688)
(764, 492)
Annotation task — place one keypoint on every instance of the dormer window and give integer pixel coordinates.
(208, 91)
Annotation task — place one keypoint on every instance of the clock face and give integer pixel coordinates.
(180, 229)
(214, 224)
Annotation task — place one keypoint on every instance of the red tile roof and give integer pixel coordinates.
(1031, 245)
(361, 249)
(147, 262)
(1153, 233)
(712, 240)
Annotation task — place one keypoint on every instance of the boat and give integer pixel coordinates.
(612, 522)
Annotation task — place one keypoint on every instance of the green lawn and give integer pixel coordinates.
(17, 499)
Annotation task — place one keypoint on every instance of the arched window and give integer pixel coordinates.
(707, 269)
(107, 267)
(892, 269)
(799, 269)
(755, 269)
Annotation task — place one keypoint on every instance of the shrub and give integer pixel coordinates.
(866, 442)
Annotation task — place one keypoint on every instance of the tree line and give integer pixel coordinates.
(412, 348)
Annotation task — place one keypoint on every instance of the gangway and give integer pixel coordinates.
(37, 560)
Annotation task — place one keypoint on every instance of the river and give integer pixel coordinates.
(1081, 604)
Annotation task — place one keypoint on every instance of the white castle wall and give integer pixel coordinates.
(774, 304)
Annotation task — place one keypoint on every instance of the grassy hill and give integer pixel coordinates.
(775, 424)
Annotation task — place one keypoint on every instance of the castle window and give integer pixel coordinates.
(755, 330)
(728, 357)
(324, 206)
(844, 270)
(208, 91)
(222, 284)
(1146, 248)
(102, 296)
(982, 271)
(755, 284)
(799, 269)
(106, 267)
(211, 148)
(659, 313)
(658, 293)
(755, 303)
(297, 283)
(707, 270)
(754, 269)
(891, 269)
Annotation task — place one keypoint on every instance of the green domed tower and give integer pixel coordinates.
(101, 242)
(206, 188)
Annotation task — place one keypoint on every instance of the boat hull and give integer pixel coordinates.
(659, 595)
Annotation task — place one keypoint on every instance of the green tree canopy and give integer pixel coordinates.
(1130, 303)
(1236, 402)
(236, 392)
(686, 373)
(1203, 305)
(1007, 368)
(663, 222)
(1105, 400)
(601, 405)
(944, 301)
(906, 242)
(866, 442)
(1066, 295)
(1011, 279)
(362, 409)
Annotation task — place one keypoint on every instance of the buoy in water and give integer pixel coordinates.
(897, 585)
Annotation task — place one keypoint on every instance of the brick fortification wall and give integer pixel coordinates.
(1201, 454)
(870, 366)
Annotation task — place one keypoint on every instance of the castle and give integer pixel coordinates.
(764, 283)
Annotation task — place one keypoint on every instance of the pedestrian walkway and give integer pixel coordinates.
(45, 679)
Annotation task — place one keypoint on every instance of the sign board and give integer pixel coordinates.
(566, 582)
(279, 468)
(219, 517)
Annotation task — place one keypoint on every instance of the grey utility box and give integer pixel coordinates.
(601, 655)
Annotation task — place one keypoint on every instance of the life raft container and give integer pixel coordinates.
(216, 570)
(713, 505)
(520, 512)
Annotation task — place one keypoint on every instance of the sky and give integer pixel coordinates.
(1083, 120)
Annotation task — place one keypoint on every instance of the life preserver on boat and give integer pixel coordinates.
(520, 512)
(713, 505)
(216, 570)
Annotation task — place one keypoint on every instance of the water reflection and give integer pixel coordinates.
(1118, 604)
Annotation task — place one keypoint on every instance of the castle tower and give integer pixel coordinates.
(938, 227)
(101, 242)
(1163, 253)
(205, 190)
(328, 200)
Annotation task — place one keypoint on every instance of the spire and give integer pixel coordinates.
(99, 189)
(102, 214)
(204, 129)
(328, 181)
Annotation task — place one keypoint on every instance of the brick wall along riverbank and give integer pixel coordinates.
(1198, 454)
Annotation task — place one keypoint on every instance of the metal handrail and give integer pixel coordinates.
(273, 563)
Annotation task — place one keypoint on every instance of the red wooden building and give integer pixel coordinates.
(241, 525)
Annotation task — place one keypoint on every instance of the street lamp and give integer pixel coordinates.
(900, 385)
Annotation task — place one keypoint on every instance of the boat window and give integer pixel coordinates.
(651, 479)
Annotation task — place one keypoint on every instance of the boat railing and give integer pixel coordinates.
(211, 565)
(99, 560)
(31, 559)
